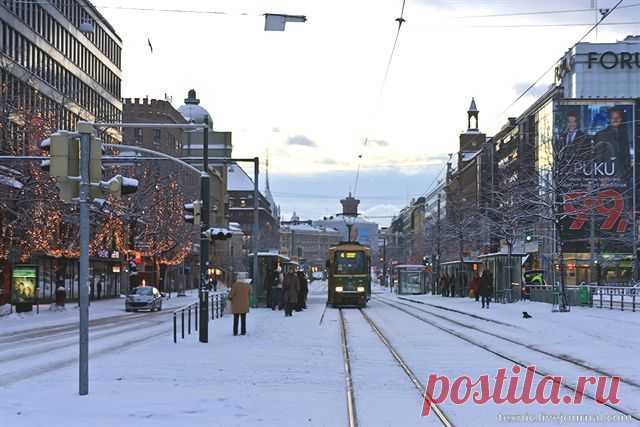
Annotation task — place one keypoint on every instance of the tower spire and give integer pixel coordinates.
(267, 172)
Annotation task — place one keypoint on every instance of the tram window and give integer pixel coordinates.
(350, 263)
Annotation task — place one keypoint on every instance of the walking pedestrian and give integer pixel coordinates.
(99, 286)
(239, 297)
(304, 289)
(290, 290)
(486, 287)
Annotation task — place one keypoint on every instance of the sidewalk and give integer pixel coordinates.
(285, 372)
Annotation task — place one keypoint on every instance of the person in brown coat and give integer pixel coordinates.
(290, 290)
(239, 297)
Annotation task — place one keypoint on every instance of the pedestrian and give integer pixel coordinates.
(304, 289)
(486, 287)
(214, 282)
(276, 290)
(239, 297)
(474, 286)
(99, 288)
(290, 291)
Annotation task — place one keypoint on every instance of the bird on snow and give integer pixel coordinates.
(526, 315)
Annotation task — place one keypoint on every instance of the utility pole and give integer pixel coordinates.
(384, 260)
(203, 292)
(85, 235)
(436, 281)
(256, 219)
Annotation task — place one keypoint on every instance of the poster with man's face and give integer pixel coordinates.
(24, 284)
(594, 152)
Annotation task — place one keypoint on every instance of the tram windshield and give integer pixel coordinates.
(350, 262)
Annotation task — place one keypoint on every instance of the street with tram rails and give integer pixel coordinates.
(324, 366)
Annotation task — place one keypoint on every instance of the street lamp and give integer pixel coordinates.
(277, 22)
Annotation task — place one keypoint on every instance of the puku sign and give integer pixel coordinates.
(610, 60)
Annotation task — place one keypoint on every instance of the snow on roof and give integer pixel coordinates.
(237, 179)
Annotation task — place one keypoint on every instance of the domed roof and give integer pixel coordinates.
(192, 111)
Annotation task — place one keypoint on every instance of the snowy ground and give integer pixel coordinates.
(289, 371)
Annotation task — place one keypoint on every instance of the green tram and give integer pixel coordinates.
(349, 270)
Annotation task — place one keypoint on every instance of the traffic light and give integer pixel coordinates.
(120, 186)
(193, 211)
(63, 148)
(95, 165)
(217, 234)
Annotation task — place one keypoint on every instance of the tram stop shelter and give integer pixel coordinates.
(410, 279)
(461, 273)
(268, 262)
(506, 285)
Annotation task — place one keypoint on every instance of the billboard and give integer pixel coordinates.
(24, 284)
(594, 151)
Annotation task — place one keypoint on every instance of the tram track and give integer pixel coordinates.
(435, 409)
(352, 419)
(556, 356)
(504, 356)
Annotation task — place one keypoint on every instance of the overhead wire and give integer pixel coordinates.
(400, 20)
(540, 12)
(531, 86)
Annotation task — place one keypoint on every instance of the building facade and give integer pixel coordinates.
(306, 243)
(60, 62)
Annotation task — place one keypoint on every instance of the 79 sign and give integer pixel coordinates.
(608, 204)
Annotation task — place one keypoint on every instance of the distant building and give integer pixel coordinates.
(240, 188)
(301, 240)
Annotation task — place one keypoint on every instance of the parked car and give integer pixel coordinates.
(143, 298)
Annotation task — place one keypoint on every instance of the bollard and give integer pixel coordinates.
(622, 301)
(189, 321)
(213, 307)
(600, 291)
(610, 301)
(175, 328)
(182, 322)
(196, 311)
(633, 301)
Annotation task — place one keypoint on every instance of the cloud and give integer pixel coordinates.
(328, 161)
(301, 140)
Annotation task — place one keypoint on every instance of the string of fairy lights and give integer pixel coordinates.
(46, 226)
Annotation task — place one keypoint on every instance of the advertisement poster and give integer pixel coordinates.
(594, 152)
(24, 282)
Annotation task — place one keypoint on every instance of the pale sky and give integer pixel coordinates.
(311, 95)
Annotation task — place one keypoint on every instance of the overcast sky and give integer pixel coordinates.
(312, 94)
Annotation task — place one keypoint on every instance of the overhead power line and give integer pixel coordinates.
(604, 16)
(540, 12)
(569, 24)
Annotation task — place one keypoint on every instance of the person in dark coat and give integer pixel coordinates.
(290, 291)
(276, 290)
(239, 297)
(304, 290)
(486, 288)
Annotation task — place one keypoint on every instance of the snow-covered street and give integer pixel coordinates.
(290, 371)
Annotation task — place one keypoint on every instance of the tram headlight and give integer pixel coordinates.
(360, 289)
(339, 289)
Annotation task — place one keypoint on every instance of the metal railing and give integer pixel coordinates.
(183, 314)
(611, 297)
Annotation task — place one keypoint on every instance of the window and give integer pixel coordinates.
(156, 136)
(137, 135)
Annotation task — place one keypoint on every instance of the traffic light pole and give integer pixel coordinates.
(85, 156)
(203, 292)
(256, 227)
